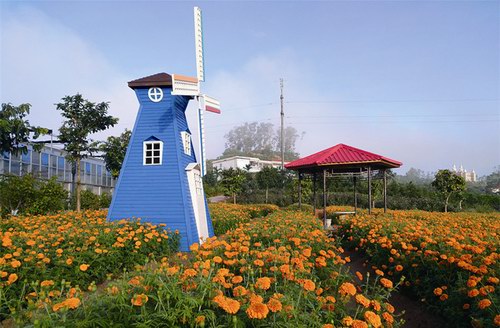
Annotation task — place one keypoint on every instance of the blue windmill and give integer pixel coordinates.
(161, 178)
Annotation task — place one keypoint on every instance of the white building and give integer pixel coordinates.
(253, 164)
(468, 176)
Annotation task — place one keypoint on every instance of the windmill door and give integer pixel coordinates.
(198, 199)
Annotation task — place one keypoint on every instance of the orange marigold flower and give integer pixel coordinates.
(12, 278)
(263, 283)
(438, 291)
(84, 267)
(373, 319)
(254, 298)
(328, 325)
(190, 272)
(15, 264)
(359, 324)
(72, 302)
(274, 305)
(201, 318)
(227, 304)
(69, 261)
(258, 263)
(359, 275)
(47, 283)
(379, 272)
(257, 311)
(387, 317)
(386, 283)
(399, 268)
(497, 320)
(347, 321)
(443, 297)
(139, 299)
(493, 280)
(466, 306)
(473, 293)
(389, 308)
(217, 259)
(484, 303)
(237, 279)
(347, 289)
(308, 285)
(360, 299)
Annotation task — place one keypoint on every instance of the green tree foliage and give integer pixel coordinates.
(260, 140)
(83, 118)
(26, 194)
(232, 182)
(114, 150)
(446, 183)
(16, 130)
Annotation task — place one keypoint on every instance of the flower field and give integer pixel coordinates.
(450, 261)
(280, 271)
(228, 216)
(42, 255)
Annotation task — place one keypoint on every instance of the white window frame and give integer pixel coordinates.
(144, 149)
(186, 142)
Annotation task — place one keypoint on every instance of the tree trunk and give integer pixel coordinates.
(78, 185)
(267, 194)
(460, 204)
(234, 198)
(446, 203)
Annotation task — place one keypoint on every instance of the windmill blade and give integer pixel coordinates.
(185, 85)
(198, 38)
(210, 104)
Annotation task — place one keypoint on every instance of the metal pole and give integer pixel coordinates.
(324, 198)
(385, 191)
(369, 190)
(355, 196)
(300, 191)
(282, 129)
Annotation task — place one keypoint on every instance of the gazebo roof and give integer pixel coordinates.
(342, 157)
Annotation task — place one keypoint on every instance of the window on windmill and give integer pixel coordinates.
(153, 151)
(186, 142)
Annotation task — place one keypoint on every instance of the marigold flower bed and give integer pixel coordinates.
(280, 271)
(228, 216)
(449, 260)
(70, 249)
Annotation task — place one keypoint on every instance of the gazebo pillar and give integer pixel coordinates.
(300, 191)
(385, 190)
(369, 190)
(314, 194)
(324, 198)
(355, 195)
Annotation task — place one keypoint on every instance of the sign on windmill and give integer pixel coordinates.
(161, 178)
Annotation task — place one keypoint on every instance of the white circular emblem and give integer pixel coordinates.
(155, 94)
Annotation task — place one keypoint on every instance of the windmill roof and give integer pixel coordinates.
(155, 80)
(342, 155)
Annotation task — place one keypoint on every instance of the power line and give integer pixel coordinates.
(390, 101)
(392, 115)
(391, 122)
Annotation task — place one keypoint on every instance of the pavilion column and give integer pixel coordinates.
(369, 190)
(355, 195)
(300, 191)
(314, 194)
(385, 191)
(324, 198)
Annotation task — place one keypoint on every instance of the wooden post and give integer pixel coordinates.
(355, 196)
(300, 191)
(324, 198)
(369, 190)
(385, 191)
(314, 194)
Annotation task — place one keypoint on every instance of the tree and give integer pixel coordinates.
(17, 193)
(260, 140)
(114, 150)
(232, 182)
(82, 119)
(269, 177)
(447, 182)
(15, 130)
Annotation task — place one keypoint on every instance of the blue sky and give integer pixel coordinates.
(418, 81)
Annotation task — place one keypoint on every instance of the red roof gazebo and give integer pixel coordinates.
(343, 159)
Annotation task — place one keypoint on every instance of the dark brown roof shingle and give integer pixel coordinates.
(155, 80)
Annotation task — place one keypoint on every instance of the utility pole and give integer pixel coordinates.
(282, 131)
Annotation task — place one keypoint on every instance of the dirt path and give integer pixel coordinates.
(416, 315)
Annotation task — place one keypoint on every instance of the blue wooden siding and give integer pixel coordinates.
(158, 193)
